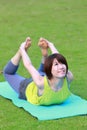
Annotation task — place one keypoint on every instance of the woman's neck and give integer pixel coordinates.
(56, 83)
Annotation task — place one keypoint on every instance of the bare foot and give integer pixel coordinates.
(28, 43)
(44, 46)
(43, 43)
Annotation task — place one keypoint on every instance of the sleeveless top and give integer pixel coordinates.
(49, 96)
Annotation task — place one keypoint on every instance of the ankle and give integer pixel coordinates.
(16, 58)
(43, 59)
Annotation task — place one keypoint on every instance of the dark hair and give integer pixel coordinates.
(49, 62)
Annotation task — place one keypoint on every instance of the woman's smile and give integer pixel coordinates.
(62, 71)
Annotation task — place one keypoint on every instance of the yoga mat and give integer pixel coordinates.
(74, 106)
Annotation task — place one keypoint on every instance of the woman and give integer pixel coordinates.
(48, 85)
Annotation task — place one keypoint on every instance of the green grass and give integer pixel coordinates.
(64, 22)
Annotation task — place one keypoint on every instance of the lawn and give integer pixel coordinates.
(64, 22)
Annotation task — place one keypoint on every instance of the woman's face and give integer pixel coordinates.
(58, 69)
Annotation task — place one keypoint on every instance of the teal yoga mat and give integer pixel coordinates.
(74, 106)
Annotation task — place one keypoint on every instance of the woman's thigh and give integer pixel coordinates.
(14, 81)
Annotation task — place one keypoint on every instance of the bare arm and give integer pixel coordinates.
(52, 48)
(38, 79)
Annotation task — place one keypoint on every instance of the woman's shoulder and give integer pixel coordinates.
(69, 76)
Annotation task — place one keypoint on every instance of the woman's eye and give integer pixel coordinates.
(56, 63)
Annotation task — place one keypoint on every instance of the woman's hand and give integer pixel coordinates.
(25, 45)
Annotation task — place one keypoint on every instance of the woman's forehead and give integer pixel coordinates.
(55, 60)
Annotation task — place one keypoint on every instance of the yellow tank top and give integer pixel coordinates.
(49, 96)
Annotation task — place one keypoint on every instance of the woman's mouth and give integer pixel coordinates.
(61, 71)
